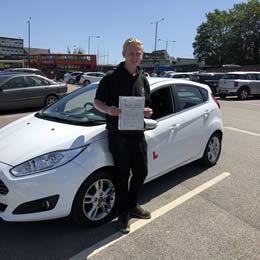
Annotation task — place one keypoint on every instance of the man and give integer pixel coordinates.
(128, 148)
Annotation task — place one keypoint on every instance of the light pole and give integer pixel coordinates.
(91, 36)
(156, 23)
(166, 42)
(29, 25)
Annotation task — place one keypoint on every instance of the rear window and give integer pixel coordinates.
(234, 76)
(189, 96)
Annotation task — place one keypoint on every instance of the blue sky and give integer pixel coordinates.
(59, 24)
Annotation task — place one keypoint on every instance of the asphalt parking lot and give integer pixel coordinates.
(197, 213)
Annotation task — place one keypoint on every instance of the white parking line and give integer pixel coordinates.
(91, 251)
(242, 131)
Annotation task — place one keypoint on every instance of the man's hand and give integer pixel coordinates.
(113, 111)
(148, 112)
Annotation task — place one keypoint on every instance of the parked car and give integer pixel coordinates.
(166, 73)
(91, 77)
(57, 161)
(73, 77)
(23, 70)
(21, 90)
(209, 78)
(183, 75)
(240, 84)
(60, 74)
(146, 74)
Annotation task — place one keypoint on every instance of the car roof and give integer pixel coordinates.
(210, 73)
(178, 73)
(243, 72)
(157, 81)
(21, 69)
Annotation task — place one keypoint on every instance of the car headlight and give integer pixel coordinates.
(46, 162)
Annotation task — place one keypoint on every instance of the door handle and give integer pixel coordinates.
(174, 127)
(206, 114)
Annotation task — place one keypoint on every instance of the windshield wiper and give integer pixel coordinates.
(69, 121)
(94, 122)
(52, 118)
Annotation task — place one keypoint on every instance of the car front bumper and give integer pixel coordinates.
(34, 191)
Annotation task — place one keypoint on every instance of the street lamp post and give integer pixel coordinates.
(166, 42)
(29, 25)
(156, 27)
(91, 36)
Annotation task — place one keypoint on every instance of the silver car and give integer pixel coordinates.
(91, 77)
(21, 90)
(240, 84)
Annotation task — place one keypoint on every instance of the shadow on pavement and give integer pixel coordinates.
(62, 238)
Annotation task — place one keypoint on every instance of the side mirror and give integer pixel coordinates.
(150, 124)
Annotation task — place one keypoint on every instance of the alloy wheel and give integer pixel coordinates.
(99, 199)
(213, 149)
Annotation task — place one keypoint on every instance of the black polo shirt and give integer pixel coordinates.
(122, 83)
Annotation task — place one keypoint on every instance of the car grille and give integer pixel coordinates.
(3, 189)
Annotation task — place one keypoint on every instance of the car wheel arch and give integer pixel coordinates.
(86, 82)
(203, 159)
(54, 96)
(82, 220)
(245, 87)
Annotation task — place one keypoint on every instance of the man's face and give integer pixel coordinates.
(133, 54)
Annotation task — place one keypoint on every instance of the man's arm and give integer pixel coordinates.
(110, 110)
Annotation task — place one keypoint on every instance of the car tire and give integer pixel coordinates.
(71, 81)
(222, 96)
(50, 100)
(94, 203)
(243, 93)
(86, 82)
(212, 150)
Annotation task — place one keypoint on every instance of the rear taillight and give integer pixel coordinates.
(216, 101)
(235, 84)
(66, 87)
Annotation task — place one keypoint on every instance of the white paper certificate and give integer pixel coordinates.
(132, 113)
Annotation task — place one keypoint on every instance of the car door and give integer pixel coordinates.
(254, 84)
(37, 89)
(164, 142)
(13, 94)
(192, 103)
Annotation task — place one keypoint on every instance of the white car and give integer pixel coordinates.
(91, 77)
(56, 162)
(72, 77)
(182, 75)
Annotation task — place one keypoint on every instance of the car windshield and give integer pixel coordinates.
(76, 109)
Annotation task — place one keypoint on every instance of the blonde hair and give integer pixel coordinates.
(131, 41)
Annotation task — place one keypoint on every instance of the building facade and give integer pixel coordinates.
(11, 48)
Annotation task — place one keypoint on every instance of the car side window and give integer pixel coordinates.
(188, 96)
(32, 81)
(14, 83)
(251, 76)
(161, 104)
(257, 76)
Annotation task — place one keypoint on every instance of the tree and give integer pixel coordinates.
(230, 36)
(78, 51)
